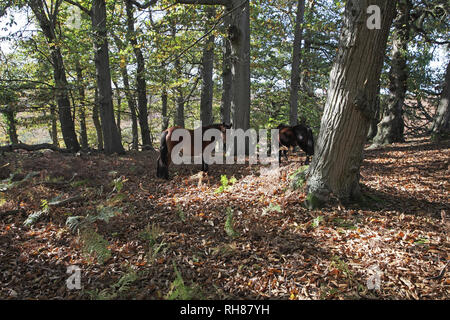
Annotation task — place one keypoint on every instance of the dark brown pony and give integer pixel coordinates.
(298, 135)
(165, 150)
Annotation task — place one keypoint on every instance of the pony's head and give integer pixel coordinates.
(305, 138)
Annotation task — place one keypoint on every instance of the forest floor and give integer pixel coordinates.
(134, 236)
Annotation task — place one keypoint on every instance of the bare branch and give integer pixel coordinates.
(206, 2)
(82, 8)
(143, 6)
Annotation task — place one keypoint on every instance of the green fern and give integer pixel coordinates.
(117, 289)
(229, 224)
(180, 291)
(95, 244)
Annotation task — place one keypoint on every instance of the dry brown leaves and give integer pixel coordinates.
(399, 235)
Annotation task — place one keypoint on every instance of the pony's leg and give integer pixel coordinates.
(204, 165)
(307, 160)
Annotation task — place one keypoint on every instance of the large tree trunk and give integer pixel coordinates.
(140, 79)
(111, 139)
(352, 93)
(206, 99)
(48, 28)
(441, 124)
(81, 110)
(391, 126)
(295, 67)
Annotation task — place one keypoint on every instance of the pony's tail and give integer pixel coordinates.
(162, 170)
(310, 141)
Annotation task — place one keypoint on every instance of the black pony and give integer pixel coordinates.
(298, 135)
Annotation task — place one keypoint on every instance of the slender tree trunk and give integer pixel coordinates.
(59, 74)
(352, 93)
(391, 126)
(54, 125)
(179, 115)
(140, 79)
(296, 58)
(441, 124)
(239, 37)
(82, 107)
(225, 107)
(373, 128)
(165, 118)
(111, 139)
(305, 83)
(119, 114)
(10, 118)
(97, 123)
(206, 99)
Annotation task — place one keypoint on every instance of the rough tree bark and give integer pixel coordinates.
(441, 124)
(351, 96)
(295, 67)
(391, 127)
(111, 139)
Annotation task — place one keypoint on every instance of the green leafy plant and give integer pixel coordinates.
(225, 183)
(315, 223)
